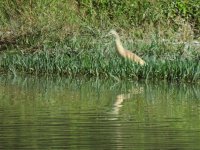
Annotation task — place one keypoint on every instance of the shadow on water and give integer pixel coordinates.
(60, 113)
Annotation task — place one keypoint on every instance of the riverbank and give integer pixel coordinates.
(67, 39)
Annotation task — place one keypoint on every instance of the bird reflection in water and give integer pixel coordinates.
(121, 97)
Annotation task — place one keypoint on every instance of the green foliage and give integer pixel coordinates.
(33, 23)
(140, 12)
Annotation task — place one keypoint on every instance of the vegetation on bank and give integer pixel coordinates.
(67, 38)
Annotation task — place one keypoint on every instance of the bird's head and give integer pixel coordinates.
(112, 32)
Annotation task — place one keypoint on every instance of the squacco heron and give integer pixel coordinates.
(124, 52)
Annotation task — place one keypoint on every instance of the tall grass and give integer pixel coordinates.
(139, 16)
(30, 23)
(98, 59)
(44, 63)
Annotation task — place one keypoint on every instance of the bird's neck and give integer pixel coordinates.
(119, 46)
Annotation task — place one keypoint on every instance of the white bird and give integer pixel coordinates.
(124, 52)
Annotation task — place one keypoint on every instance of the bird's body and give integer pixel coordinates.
(123, 52)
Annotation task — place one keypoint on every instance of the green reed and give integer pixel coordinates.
(92, 58)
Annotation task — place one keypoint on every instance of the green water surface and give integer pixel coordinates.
(61, 113)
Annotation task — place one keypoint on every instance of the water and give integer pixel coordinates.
(60, 113)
